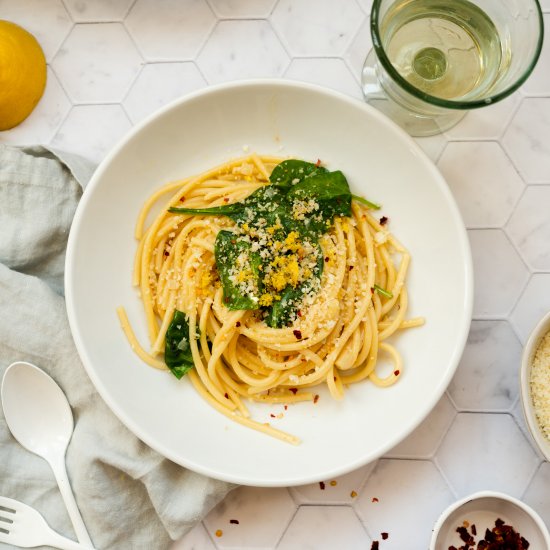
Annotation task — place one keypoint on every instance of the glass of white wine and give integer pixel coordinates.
(433, 60)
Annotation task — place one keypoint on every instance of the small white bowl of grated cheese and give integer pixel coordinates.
(535, 384)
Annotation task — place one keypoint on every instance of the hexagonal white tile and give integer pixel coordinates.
(97, 63)
(91, 130)
(433, 145)
(341, 490)
(536, 494)
(423, 442)
(43, 122)
(532, 305)
(196, 539)
(47, 20)
(242, 49)
(98, 10)
(529, 227)
(499, 273)
(539, 81)
(327, 527)
(495, 455)
(242, 8)
(488, 190)
(488, 122)
(491, 359)
(526, 140)
(331, 73)
(358, 49)
(263, 515)
(409, 494)
(158, 84)
(321, 30)
(170, 30)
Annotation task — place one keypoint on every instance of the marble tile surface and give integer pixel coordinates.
(487, 193)
(499, 273)
(486, 450)
(113, 62)
(323, 28)
(97, 63)
(242, 49)
(170, 30)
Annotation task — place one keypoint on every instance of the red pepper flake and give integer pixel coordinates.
(238, 324)
(383, 220)
(297, 333)
(182, 199)
(353, 494)
(293, 390)
(226, 395)
(272, 415)
(372, 290)
(374, 499)
(500, 536)
(322, 485)
(234, 521)
(286, 407)
(166, 253)
(465, 536)
(315, 398)
(227, 299)
(375, 545)
(396, 372)
(299, 313)
(318, 163)
(351, 267)
(326, 258)
(225, 199)
(384, 535)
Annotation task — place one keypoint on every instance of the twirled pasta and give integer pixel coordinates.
(335, 339)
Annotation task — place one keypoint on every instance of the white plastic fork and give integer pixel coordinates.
(23, 526)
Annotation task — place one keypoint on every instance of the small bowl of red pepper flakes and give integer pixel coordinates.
(489, 520)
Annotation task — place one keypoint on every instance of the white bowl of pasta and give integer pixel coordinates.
(291, 265)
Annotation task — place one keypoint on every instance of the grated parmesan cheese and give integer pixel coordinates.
(540, 384)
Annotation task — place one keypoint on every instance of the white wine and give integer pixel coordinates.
(447, 48)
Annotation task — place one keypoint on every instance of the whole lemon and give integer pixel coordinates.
(22, 74)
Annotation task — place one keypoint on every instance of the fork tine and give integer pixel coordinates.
(8, 505)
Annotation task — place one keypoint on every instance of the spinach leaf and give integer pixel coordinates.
(177, 350)
(227, 249)
(280, 312)
(324, 188)
(330, 190)
(290, 172)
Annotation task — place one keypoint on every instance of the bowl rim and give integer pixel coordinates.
(280, 84)
(436, 531)
(538, 332)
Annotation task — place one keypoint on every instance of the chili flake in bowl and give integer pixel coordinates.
(488, 520)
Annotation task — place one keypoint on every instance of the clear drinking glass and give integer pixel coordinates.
(433, 60)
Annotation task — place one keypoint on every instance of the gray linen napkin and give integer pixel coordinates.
(129, 496)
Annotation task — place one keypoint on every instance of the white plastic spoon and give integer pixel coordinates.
(40, 418)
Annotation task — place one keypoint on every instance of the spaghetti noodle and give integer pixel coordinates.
(255, 302)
